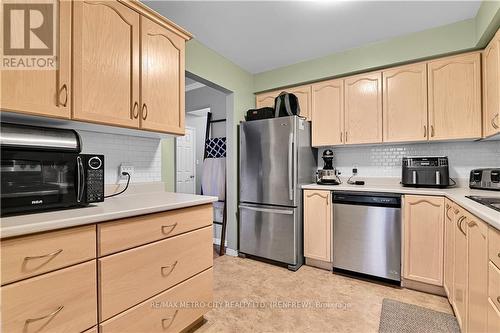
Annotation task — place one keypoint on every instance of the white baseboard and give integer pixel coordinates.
(229, 252)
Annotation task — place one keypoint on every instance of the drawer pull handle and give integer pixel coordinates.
(53, 254)
(167, 270)
(167, 229)
(168, 320)
(50, 315)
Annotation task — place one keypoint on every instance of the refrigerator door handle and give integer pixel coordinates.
(267, 210)
(290, 166)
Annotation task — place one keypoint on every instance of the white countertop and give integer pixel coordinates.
(113, 208)
(457, 194)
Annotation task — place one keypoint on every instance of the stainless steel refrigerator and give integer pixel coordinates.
(276, 158)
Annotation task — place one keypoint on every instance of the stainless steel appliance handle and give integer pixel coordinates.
(267, 210)
(81, 180)
(290, 166)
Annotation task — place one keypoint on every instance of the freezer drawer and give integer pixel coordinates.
(268, 232)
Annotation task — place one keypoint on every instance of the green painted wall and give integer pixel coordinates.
(457, 37)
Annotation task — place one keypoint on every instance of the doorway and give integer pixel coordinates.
(185, 168)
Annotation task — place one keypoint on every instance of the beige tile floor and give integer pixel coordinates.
(326, 302)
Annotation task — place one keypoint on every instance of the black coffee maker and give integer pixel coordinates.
(328, 175)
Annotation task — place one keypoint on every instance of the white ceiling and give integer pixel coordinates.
(263, 35)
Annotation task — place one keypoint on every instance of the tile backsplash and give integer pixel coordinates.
(385, 160)
(143, 153)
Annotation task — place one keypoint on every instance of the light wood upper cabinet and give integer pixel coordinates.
(477, 289)
(327, 113)
(455, 97)
(265, 99)
(449, 247)
(423, 239)
(43, 92)
(303, 94)
(363, 108)
(318, 225)
(162, 80)
(491, 87)
(106, 63)
(405, 103)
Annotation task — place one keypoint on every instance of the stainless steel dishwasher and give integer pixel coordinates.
(367, 234)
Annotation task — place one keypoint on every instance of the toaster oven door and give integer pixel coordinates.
(36, 180)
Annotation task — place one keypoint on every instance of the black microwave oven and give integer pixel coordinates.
(42, 168)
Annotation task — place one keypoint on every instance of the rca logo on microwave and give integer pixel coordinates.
(28, 38)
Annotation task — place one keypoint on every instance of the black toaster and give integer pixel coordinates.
(425, 171)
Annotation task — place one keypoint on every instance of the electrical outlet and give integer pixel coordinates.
(125, 167)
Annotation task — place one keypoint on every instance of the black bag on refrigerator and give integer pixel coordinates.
(262, 113)
(286, 104)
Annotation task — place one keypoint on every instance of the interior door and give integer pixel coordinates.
(43, 92)
(162, 79)
(106, 63)
(185, 162)
(267, 156)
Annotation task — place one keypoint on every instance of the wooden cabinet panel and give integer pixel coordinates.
(491, 87)
(303, 94)
(455, 97)
(162, 79)
(494, 245)
(43, 92)
(124, 234)
(160, 315)
(449, 247)
(460, 270)
(106, 63)
(61, 301)
(363, 108)
(477, 290)
(494, 284)
(265, 99)
(130, 277)
(318, 225)
(27, 256)
(405, 103)
(423, 239)
(327, 113)
(493, 318)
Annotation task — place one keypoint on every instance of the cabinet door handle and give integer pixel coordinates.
(459, 224)
(144, 111)
(167, 270)
(52, 254)
(168, 321)
(346, 136)
(495, 126)
(65, 89)
(135, 111)
(448, 207)
(50, 315)
(167, 229)
(425, 131)
(340, 136)
(432, 130)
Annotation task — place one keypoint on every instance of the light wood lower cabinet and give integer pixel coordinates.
(129, 277)
(170, 311)
(363, 108)
(449, 247)
(405, 103)
(491, 87)
(43, 92)
(24, 257)
(493, 318)
(460, 276)
(61, 301)
(455, 97)
(327, 112)
(477, 289)
(494, 284)
(494, 245)
(318, 225)
(423, 224)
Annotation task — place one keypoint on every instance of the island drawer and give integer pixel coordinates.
(170, 311)
(27, 256)
(124, 234)
(129, 277)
